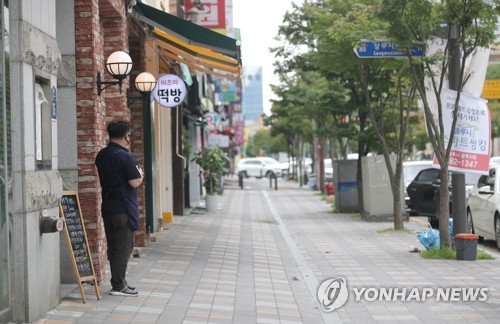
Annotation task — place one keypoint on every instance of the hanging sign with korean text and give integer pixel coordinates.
(213, 120)
(470, 151)
(170, 90)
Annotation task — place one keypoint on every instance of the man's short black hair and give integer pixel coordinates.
(118, 128)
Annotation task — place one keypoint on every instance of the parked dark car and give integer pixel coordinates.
(410, 171)
(424, 193)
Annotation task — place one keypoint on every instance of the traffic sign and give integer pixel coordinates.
(382, 49)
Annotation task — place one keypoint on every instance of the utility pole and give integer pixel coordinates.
(458, 206)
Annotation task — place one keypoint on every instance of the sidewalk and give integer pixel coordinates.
(261, 258)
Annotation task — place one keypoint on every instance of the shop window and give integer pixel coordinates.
(43, 126)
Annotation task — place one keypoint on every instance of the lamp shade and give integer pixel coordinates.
(145, 82)
(119, 65)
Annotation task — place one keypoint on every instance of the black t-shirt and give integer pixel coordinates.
(116, 166)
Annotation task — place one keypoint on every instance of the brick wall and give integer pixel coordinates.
(101, 29)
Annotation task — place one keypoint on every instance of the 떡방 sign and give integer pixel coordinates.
(76, 236)
(170, 90)
(470, 151)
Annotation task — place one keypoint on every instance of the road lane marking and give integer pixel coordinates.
(312, 282)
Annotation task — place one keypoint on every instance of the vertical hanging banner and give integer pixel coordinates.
(470, 151)
(170, 90)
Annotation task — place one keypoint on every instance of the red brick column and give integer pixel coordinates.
(101, 28)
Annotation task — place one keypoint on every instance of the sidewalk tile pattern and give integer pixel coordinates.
(235, 266)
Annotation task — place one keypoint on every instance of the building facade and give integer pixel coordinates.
(53, 123)
(31, 184)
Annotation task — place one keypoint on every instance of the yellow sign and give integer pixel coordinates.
(167, 217)
(491, 89)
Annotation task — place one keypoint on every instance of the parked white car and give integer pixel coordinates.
(259, 167)
(328, 170)
(483, 211)
(494, 160)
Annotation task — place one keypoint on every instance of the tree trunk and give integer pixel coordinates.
(444, 209)
(321, 182)
(396, 192)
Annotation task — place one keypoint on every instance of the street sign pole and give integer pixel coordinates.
(458, 206)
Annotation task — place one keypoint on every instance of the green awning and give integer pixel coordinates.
(188, 31)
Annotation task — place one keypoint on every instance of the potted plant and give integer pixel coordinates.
(212, 160)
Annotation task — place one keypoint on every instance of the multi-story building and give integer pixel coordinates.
(253, 103)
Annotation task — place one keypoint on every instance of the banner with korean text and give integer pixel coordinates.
(470, 151)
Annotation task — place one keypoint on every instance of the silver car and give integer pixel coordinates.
(483, 212)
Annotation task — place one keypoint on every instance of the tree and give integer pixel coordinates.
(364, 99)
(381, 86)
(417, 23)
(265, 143)
(289, 117)
(302, 34)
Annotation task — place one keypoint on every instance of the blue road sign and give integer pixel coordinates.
(382, 49)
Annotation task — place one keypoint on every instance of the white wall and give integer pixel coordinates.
(34, 55)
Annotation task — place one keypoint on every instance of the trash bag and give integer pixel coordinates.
(429, 239)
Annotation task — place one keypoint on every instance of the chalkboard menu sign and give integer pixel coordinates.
(76, 236)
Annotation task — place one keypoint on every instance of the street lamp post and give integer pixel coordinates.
(145, 82)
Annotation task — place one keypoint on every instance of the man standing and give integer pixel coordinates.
(119, 176)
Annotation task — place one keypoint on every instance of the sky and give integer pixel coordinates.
(258, 21)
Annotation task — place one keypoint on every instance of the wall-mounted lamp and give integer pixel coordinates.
(119, 65)
(145, 82)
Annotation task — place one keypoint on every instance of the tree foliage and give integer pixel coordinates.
(471, 24)
(263, 143)
(326, 89)
(346, 96)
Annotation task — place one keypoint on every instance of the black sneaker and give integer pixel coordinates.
(124, 292)
(132, 288)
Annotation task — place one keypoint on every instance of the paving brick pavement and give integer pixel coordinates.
(261, 257)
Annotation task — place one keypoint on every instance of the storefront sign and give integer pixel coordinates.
(210, 14)
(213, 120)
(218, 140)
(170, 90)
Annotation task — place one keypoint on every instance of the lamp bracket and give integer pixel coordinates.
(107, 84)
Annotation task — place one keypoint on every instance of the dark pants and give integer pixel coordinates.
(120, 243)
